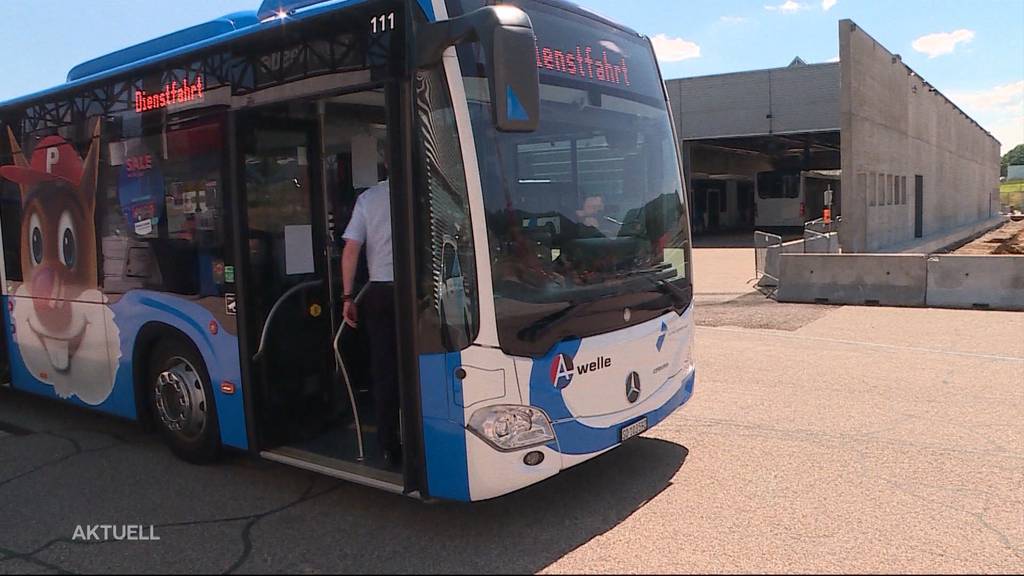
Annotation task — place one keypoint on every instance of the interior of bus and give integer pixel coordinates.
(305, 165)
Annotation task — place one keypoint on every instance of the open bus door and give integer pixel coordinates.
(312, 406)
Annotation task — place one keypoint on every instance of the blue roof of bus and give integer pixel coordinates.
(164, 44)
(203, 36)
(223, 30)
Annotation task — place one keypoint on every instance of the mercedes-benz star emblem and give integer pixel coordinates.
(633, 387)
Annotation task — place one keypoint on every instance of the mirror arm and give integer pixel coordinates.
(434, 38)
(509, 45)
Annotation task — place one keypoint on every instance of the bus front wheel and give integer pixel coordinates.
(181, 399)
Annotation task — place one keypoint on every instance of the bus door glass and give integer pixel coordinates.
(305, 167)
(289, 326)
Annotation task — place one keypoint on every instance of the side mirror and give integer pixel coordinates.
(510, 48)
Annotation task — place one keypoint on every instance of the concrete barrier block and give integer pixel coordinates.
(986, 282)
(880, 279)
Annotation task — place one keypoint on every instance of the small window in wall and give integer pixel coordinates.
(862, 185)
(903, 188)
(896, 190)
(888, 189)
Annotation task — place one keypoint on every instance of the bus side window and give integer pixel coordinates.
(163, 221)
(450, 300)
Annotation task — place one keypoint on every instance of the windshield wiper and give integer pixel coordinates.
(682, 297)
(543, 325)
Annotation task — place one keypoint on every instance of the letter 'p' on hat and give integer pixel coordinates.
(53, 159)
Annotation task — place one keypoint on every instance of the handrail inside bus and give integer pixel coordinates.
(277, 306)
(344, 374)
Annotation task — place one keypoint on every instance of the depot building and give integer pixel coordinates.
(865, 138)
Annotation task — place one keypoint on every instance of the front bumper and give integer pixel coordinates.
(493, 473)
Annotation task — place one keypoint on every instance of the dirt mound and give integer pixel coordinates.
(1014, 245)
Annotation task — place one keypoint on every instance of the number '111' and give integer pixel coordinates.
(382, 23)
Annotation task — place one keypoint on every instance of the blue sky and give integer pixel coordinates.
(972, 51)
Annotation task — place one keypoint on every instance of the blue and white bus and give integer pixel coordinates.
(172, 217)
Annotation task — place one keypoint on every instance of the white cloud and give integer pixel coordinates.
(787, 7)
(940, 43)
(670, 49)
(833, 59)
(1007, 98)
(734, 19)
(999, 109)
(827, 5)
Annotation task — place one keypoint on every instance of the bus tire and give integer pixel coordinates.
(180, 396)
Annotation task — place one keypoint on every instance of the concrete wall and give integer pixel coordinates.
(776, 101)
(894, 126)
(946, 281)
(882, 279)
(943, 240)
(976, 282)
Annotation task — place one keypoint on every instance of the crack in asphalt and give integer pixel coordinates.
(247, 546)
(11, 555)
(978, 516)
(119, 440)
(77, 451)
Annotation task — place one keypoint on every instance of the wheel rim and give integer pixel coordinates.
(181, 400)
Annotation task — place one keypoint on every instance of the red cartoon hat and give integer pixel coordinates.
(53, 159)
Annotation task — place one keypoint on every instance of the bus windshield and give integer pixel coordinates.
(585, 216)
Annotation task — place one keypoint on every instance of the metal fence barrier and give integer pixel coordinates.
(766, 246)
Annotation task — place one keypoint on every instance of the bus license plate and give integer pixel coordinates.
(633, 430)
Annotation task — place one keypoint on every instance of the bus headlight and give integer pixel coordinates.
(509, 428)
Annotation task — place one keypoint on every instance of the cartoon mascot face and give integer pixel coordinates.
(62, 325)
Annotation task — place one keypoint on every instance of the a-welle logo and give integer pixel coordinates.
(563, 369)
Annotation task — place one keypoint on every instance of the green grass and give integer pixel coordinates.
(1012, 193)
(1016, 186)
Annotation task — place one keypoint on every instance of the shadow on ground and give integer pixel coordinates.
(756, 311)
(69, 467)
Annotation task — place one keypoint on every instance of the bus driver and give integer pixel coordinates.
(371, 225)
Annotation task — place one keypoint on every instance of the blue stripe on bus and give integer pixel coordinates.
(444, 428)
(220, 352)
(576, 438)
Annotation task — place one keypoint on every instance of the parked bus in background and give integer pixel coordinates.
(172, 219)
(790, 198)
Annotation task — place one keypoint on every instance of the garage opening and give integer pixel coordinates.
(773, 183)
